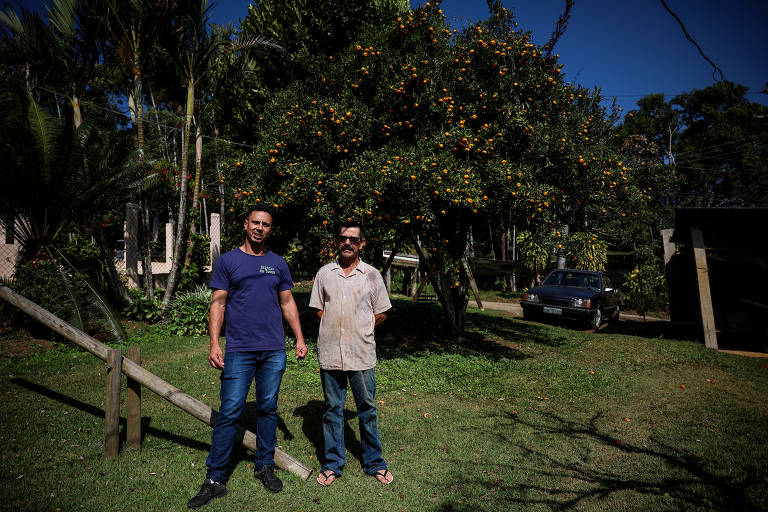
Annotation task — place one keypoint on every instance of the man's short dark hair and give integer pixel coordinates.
(351, 224)
(260, 208)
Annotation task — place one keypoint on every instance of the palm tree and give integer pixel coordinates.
(62, 53)
(197, 49)
(133, 27)
(62, 179)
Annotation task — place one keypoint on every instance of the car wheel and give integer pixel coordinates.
(597, 319)
(527, 315)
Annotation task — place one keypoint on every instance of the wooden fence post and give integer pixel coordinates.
(133, 403)
(112, 403)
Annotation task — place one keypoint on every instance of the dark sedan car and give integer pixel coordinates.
(573, 294)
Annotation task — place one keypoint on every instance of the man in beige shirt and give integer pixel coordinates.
(351, 300)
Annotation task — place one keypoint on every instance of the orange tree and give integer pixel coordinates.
(421, 131)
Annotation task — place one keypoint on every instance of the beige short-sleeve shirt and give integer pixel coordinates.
(345, 340)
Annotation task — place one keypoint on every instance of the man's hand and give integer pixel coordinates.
(216, 357)
(301, 349)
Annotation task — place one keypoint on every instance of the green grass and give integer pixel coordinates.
(509, 417)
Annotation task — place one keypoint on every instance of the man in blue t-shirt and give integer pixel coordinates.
(253, 285)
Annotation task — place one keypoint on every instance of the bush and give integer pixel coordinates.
(189, 313)
(142, 309)
(192, 274)
(644, 289)
(41, 282)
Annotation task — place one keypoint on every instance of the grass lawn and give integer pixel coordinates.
(513, 416)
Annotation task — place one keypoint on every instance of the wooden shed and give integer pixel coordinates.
(716, 263)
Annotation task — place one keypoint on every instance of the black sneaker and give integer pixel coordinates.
(269, 479)
(208, 491)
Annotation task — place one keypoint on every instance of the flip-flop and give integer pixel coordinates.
(383, 474)
(326, 475)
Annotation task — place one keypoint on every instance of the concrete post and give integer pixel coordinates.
(169, 241)
(215, 231)
(131, 247)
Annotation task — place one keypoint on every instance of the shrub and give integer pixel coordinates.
(142, 309)
(189, 313)
(41, 282)
(644, 289)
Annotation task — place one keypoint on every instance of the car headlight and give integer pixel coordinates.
(531, 297)
(581, 303)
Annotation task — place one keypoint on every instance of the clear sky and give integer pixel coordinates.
(628, 48)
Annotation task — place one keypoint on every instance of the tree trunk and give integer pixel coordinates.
(561, 252)
(453, 299)
(146, 238)
(196, 190)
(222, 206)
(503, 250)
(181, 225)
(163, 134)
(146, 243)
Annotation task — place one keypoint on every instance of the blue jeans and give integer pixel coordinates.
(363, 384)
(240, 368)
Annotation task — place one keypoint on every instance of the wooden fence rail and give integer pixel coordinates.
(147, 379)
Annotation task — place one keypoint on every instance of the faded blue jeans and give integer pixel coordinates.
(363, 385)
(266, 369)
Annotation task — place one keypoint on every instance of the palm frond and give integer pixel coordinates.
(43, 131)
(97, 300)
(77, 318)
(10, 19)
(61, 14)
(242, 43)
(111, 318)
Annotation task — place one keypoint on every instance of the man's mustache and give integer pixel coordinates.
(347, 247)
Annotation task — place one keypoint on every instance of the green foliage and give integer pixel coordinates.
(714, 141)
(188, 315)
(585, 251)
(535, 250)
(66, 293)
(40, 282)
(142, 309)
(415, 130)
(644, 289)
(193, 273)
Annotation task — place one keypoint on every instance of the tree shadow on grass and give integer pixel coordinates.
(652, 328)
(415, 328)
(146, 428)
(696, 487)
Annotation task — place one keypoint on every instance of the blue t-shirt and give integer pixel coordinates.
(254, 319)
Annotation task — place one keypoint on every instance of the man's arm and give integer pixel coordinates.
(291, 315)
(378, 319)
(215, 321)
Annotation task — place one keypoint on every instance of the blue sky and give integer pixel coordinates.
(628, 48)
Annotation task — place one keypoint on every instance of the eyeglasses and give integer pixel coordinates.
(354, 240)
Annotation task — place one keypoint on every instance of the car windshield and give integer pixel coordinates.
(573, 279)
